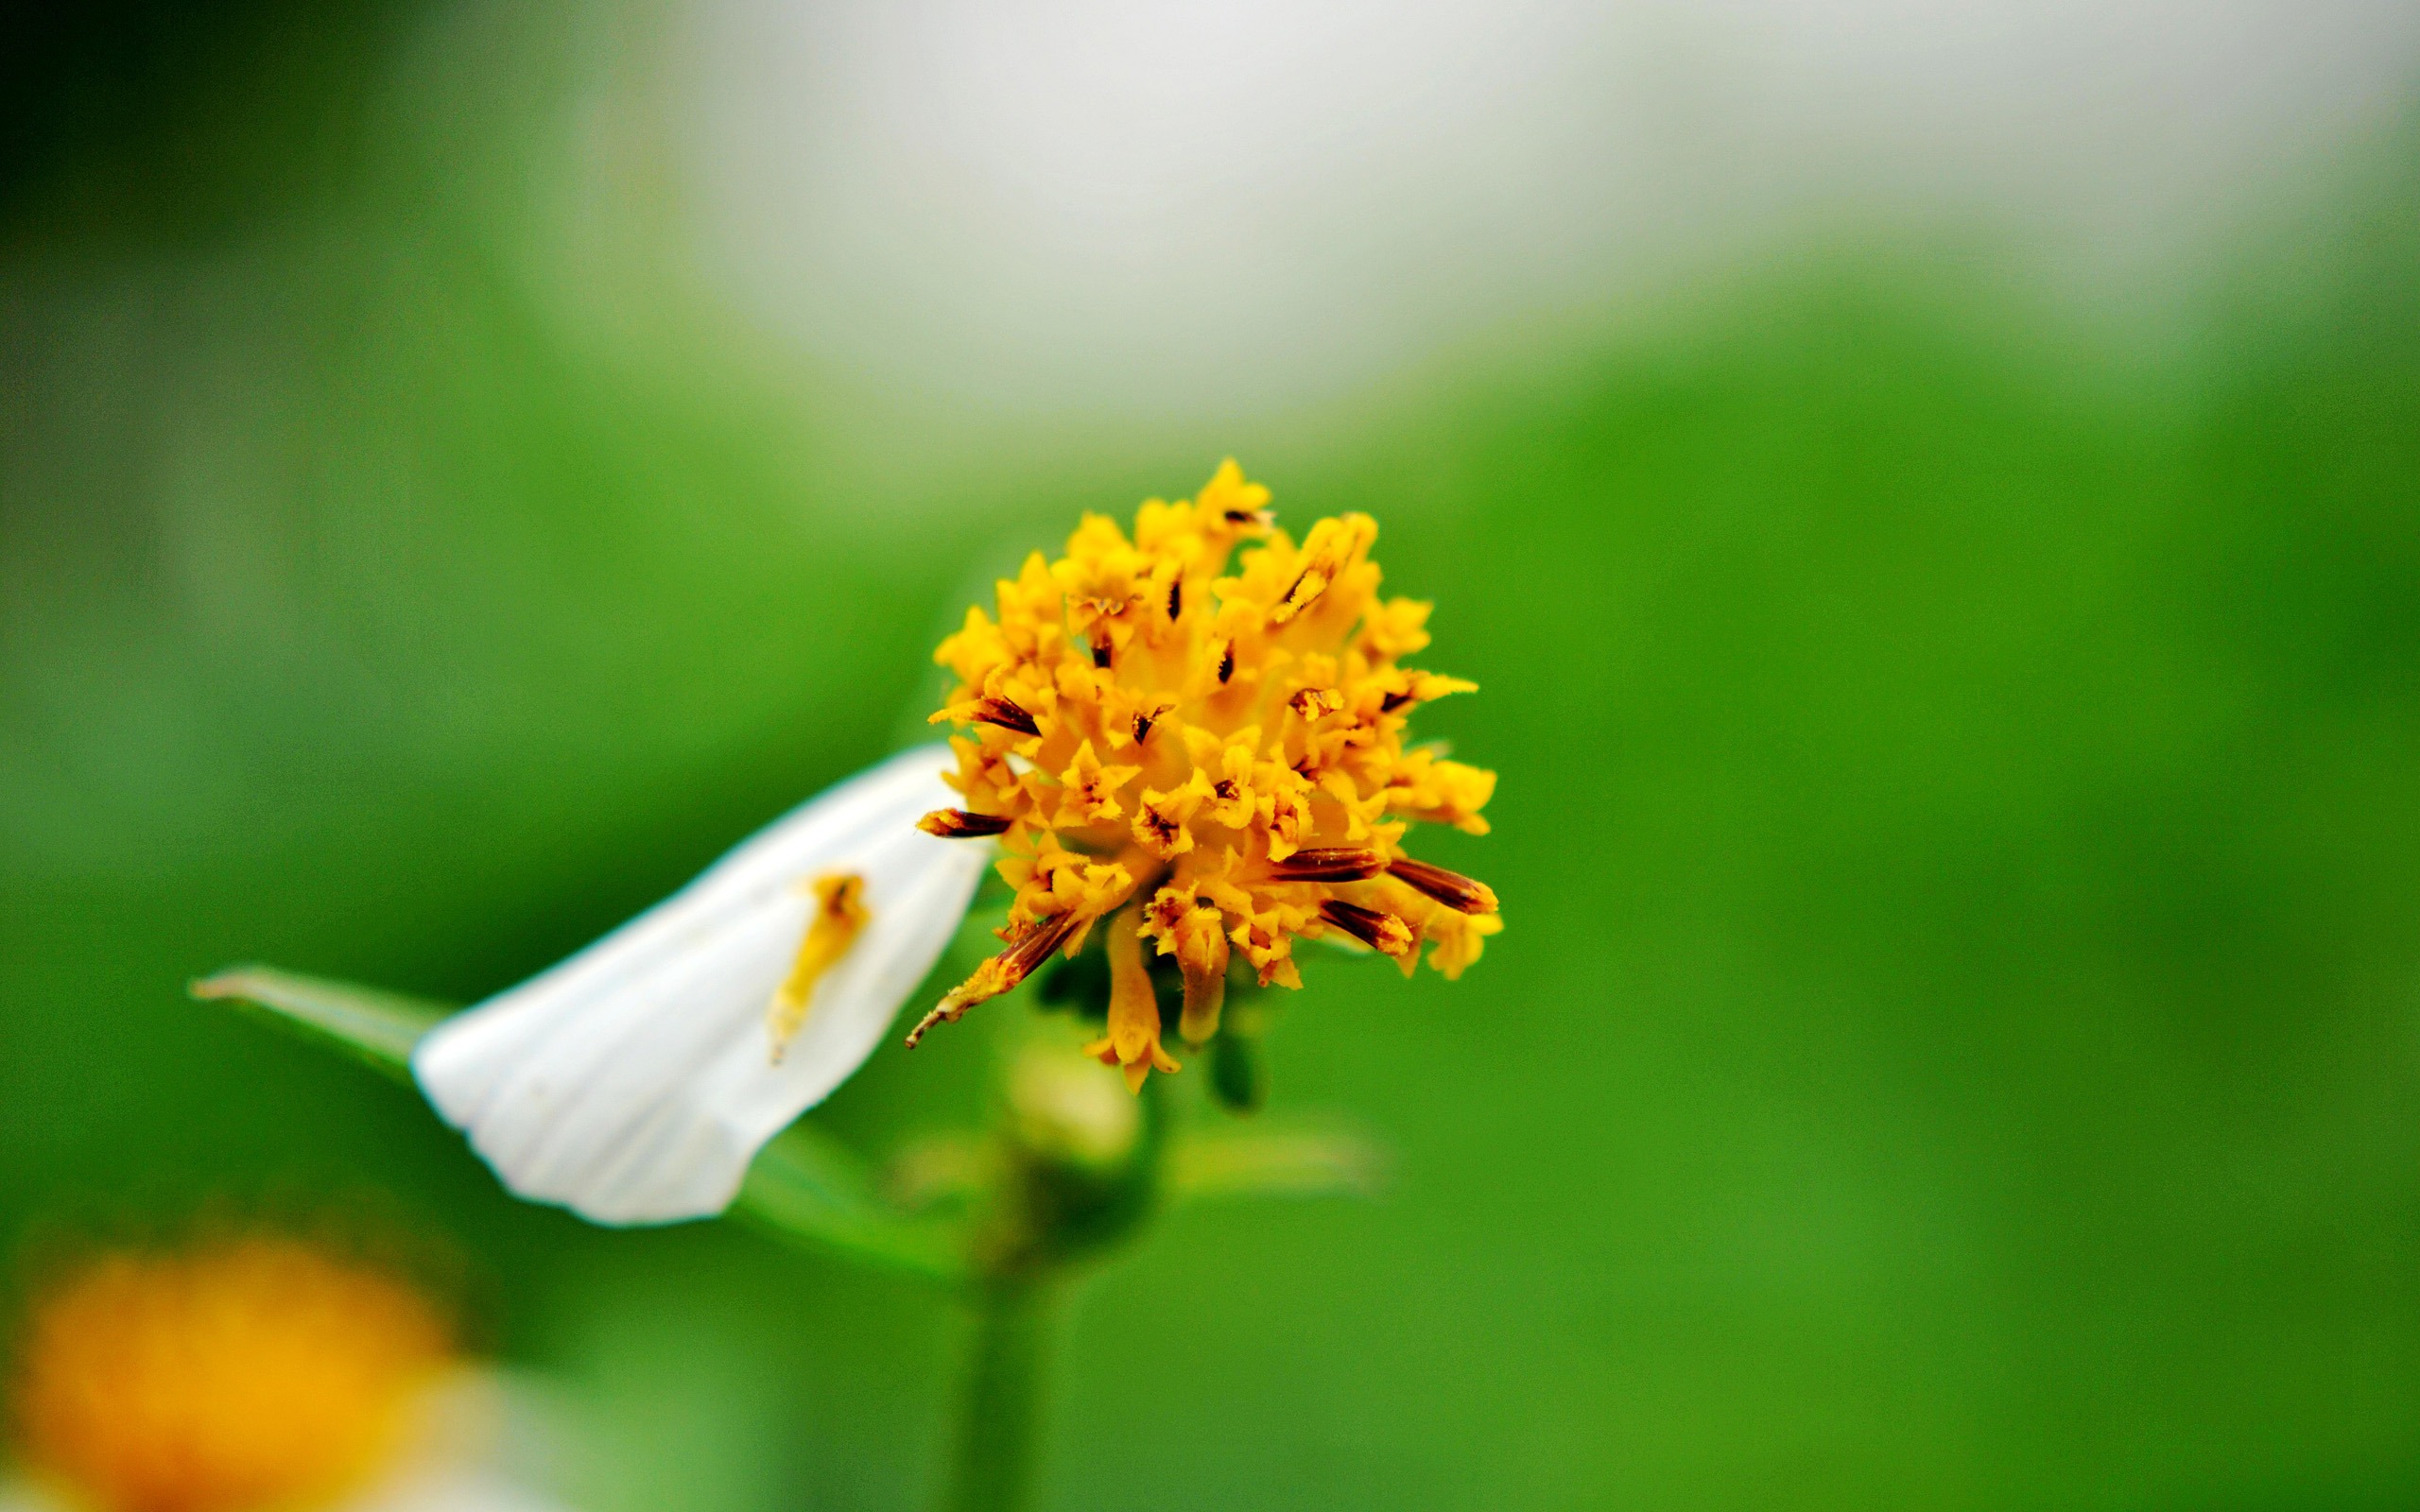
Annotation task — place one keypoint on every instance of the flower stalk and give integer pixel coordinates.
(1071, 1169)
(1189, 743)
(1003, 1398)
(1079, 1168)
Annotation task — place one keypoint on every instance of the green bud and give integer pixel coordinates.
(1070, 1109)
(1238, 1071)
(1081, 1158)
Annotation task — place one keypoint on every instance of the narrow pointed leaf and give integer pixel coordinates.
(808, 1188)
(374, 1028)
(804, 1187)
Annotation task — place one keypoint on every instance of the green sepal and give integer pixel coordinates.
(1238, 1073)
(1218, 1162)
(1238, 1066)
(376, 1029)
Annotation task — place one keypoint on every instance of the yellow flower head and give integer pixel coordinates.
(248, 1374)
(1218, 755)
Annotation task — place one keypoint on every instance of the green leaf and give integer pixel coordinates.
(1216, 1163)
(807, 1187)
(804, 1187)
(376, 1029)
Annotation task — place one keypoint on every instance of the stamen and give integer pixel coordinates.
(1313, 702)
(956, 824)
(1382, 932)
(1227, 663)
(1296, 600)
(1451, 888)
(1002, 972)
(1328, 864)
(1100, 652)
(840, 914)
(1007, 715)
(1423, 688)
(1158, 830)
(1176, 599)
(1034, 946)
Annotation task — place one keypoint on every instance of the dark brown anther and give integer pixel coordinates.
(1394, 702)
(1164, 828)
(1143, 721)
(1381, 932)
(1263, 518)
(1451, 888)
(1005, 714)
(1329, 864)
(1002, 972)
(1310, 703)
(1227, 663)
(1176, 601)
(956, 824)
(1034, 945)
(1100, 652)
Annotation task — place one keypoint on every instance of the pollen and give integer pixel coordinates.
(1199, 730)
(248, 1374)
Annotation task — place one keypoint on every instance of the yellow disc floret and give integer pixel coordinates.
(251, 1374)
(1220, 752)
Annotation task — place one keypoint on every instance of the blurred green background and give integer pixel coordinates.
(1956, 1039)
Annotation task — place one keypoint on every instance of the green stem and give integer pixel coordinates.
(1000, 1403)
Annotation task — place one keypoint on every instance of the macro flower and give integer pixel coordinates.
(634, 1082)
(243, 1374)
(1211, 762)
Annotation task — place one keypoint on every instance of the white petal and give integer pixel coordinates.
(634, 1082)
(477, 1436)
(455, 1491)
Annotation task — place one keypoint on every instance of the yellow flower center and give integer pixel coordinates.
(1223, 753)
(254, 1374)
